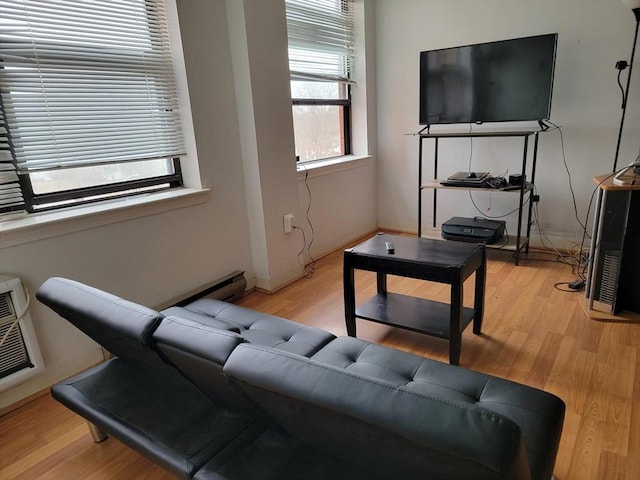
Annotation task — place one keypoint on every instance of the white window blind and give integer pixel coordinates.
(87, 83)
(320, 39)
(11, 199)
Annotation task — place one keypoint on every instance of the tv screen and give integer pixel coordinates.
(504, 81)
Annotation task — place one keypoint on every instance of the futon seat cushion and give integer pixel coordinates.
(278, 456)
(255, 327)
(157, 413)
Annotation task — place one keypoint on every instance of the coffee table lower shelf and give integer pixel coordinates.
(412, 313)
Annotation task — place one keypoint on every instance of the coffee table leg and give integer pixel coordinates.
(478, 302)
(455, 338)
(381, 282)
(349, 299)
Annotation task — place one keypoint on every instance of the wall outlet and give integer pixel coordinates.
(288, 223)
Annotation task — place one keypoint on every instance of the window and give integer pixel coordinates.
(88, 102)
(320, 60)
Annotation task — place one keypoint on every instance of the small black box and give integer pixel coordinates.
(475, 229)
(515, 179)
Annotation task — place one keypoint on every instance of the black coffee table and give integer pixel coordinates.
(433, 260)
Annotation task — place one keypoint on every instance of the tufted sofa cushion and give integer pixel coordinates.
(255, 327)
(402, 369)
(393, 431)
(538, 414)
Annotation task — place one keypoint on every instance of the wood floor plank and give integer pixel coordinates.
(544, 357)
(633, 460)
(585, 458)
(611, 467)
(570, 431)
(533, 333)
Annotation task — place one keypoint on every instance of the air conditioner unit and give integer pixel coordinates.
(20, 356)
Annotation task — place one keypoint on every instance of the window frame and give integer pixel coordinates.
(321, 33)
(42, 202)
(345, 105)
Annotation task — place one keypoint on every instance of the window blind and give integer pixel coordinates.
(11, 199)
(87, 83)
(320, 39)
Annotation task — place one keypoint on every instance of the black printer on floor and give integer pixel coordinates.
(476, 229)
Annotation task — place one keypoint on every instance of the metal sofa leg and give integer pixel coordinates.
(97, 433)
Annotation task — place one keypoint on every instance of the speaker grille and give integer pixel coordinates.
(608, 283)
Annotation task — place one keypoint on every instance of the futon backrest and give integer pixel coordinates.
(122, 327)
(398, 433)
(199, 351)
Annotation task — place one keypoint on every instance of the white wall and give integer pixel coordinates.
(340, 203)
(266, 129)
(336, 207)
(150, 258)
(593, 35)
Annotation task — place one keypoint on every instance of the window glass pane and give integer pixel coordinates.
(83, 177)
(318, 131)
(318, 90)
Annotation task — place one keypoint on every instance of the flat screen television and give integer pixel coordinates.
(503, 81)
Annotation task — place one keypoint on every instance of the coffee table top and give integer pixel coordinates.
(425, 251)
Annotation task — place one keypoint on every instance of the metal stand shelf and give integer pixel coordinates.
(521, 242)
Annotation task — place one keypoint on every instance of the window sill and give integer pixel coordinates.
(39, 226)
(331, 165)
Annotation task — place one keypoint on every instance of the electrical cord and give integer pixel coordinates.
(497, 182)
(568, 258)
(566, 167)
(577, 262)
(559, 257)
(304, 244)
(310, 268)
(571, 289)
(494, 216)
(579, 269)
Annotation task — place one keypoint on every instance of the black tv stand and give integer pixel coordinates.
(525, 190)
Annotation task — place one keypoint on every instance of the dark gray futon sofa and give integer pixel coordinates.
(216, 391)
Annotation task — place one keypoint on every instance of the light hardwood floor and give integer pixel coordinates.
(533, 333)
